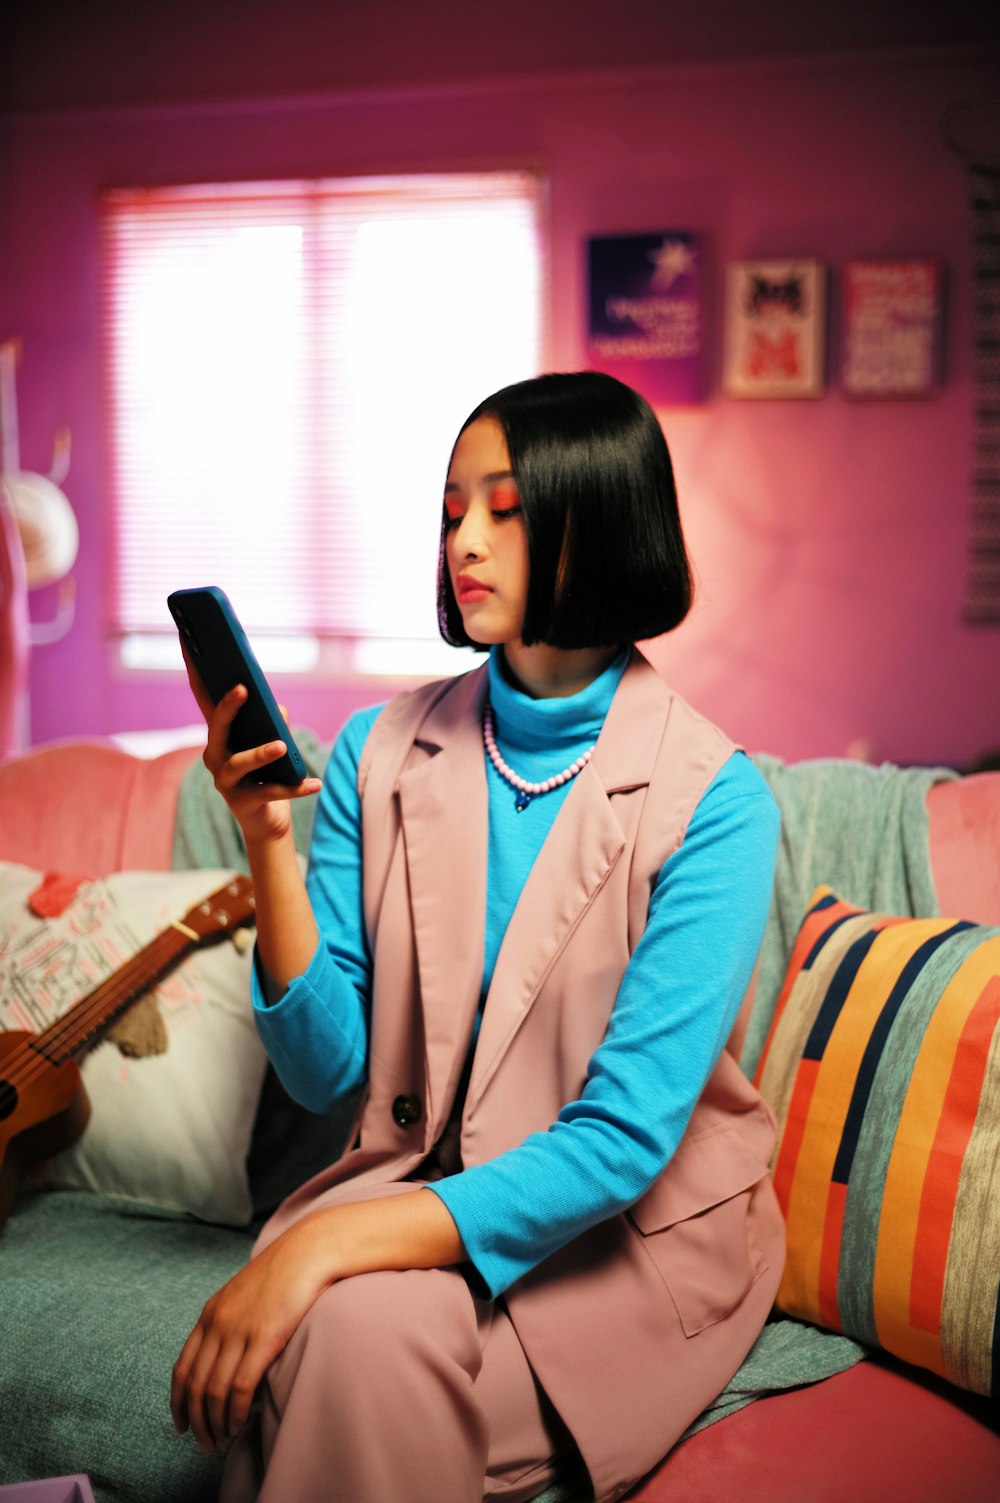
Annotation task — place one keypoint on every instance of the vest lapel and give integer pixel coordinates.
(443, 807)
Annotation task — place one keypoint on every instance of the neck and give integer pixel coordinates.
(551, 673)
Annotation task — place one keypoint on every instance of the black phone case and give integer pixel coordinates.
(221, 652)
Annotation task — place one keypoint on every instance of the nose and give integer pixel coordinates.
(467, 538)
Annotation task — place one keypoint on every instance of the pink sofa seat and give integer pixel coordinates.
(878, 1433)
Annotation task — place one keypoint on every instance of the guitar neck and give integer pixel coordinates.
(216, 916)
(77, 1028)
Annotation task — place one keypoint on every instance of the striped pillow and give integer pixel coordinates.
(882, 1066)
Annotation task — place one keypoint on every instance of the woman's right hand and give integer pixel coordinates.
(262, 809)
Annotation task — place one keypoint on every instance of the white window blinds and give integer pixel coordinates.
(287, 366)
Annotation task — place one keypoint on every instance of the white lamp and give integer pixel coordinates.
(47, 524)
(39, 549)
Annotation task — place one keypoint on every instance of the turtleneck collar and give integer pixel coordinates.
(545, 724)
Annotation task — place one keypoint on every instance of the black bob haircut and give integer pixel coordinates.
(606, 552)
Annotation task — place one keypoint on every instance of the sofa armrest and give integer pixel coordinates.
(89, 808)
(964, 831)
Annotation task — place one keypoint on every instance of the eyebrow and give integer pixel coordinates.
(493, 476)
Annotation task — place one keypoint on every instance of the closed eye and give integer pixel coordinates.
(454, 511)
(505, 500)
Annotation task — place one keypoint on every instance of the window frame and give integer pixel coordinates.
(321, 654)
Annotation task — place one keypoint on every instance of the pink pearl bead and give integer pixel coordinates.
(529, 790)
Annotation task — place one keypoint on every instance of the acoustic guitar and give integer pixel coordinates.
(43, 1101)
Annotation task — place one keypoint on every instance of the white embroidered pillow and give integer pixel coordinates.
(172, 1129)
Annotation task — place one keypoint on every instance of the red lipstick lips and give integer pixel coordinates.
(469, 590)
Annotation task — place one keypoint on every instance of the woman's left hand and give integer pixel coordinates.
(244, 1327)
(241, 1331)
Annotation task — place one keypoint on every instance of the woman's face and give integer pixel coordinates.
(486, 548)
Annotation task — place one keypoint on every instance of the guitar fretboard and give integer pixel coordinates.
(73, 1031)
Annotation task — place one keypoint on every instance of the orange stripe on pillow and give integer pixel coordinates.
(944, 1171)
(822, 1132)
(903, 1194)
(883, 1071)
(817, 921)
(970, 1315)
(829, 1265)
(790, 1040)
(795, 1126)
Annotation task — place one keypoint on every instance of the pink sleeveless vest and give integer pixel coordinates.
(635, 1326)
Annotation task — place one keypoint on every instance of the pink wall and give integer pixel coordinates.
(828, 536)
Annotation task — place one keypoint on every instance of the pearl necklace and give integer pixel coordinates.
(525, 791)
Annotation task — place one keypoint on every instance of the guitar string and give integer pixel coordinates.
(93, 1012)
(71, 1031)
(94, 1007)
(70, 1025)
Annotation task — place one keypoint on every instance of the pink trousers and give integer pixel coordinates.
(399, 1387)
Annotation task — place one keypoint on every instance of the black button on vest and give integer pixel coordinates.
(406, 1110)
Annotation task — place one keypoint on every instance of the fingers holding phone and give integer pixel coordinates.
(202, 697)
(250, 751)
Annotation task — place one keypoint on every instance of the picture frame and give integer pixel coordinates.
(775, 328)
(645, 313)
(892, 319)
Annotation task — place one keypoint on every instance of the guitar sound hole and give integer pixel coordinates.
(8, 1099)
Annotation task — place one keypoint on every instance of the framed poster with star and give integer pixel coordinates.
(645, 317)
(775, 337)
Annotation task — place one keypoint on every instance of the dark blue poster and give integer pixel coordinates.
(645, 314)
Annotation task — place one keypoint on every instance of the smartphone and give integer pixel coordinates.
(220, 650)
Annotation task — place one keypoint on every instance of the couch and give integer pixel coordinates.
(101, 1284)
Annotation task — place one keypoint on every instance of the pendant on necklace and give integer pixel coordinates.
(521, 802)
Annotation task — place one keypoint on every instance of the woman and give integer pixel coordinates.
(554, 1239)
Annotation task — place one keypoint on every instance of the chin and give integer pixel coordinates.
(485, 635)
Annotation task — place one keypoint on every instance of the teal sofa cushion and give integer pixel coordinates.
(98, 1298)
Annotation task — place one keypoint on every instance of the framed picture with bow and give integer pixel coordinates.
(775, 329)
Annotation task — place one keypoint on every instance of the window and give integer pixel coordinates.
(287, 365)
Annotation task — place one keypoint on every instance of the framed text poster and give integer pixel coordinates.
(892, 327)
(645, 313)
(775, 329)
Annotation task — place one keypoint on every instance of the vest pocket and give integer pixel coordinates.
(695, 1226)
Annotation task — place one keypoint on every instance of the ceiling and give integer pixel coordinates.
(71, 54)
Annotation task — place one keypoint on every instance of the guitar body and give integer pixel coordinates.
(43, 1114)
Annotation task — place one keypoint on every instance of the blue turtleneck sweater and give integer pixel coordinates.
(675, 1008)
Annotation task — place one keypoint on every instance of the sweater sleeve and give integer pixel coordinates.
(316, 1031)
(676, 1005)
